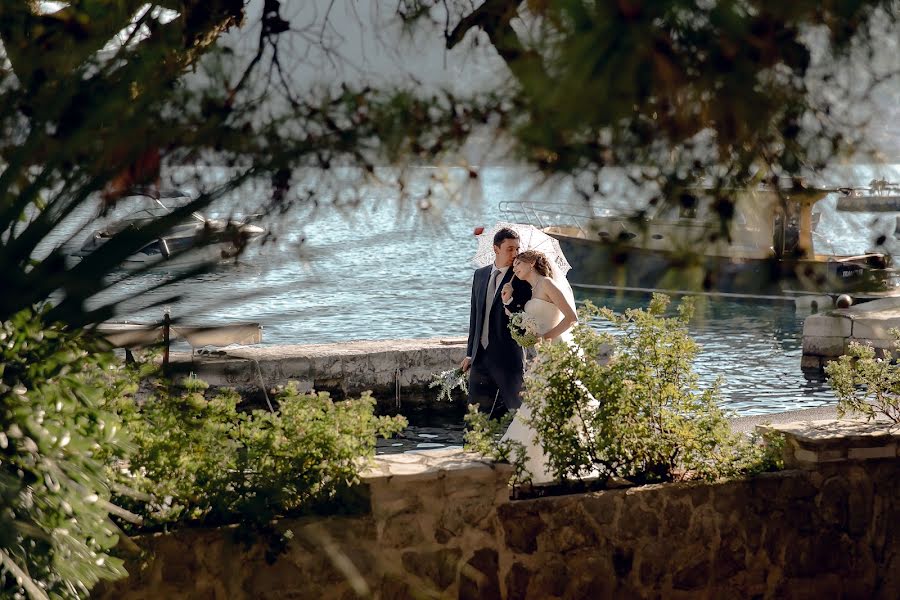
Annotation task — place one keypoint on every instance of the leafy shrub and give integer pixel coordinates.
(55, 527)
(204, 461)
(484, 435)
(76, 448)
(640, 414)
(866, 384)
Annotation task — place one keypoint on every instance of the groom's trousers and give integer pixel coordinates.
(491, 374)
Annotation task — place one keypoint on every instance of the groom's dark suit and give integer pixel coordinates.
(501, 365)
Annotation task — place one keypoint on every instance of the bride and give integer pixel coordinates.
(552, 306)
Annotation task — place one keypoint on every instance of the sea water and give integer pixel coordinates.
(367, 262)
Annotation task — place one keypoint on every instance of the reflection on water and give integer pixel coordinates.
(433, 427)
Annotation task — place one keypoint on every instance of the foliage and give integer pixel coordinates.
(55, 527)
(78, 445)
(449, 380)
(640, 414)
(687, 89)
(101, 96)
(203, 461)
(865, 384)
(484, 435)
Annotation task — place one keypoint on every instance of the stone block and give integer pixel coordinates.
(811, 363)
(479, 577)
(802, 456)
(693, 574)
(823, 345)
(813, 304)
(438, 568)
(874, 329)
(402, 531)
(827, 325)
(835, 454)
(888, 451)
(224, 372)
(521, 528)
(518, 579)
(327, 367)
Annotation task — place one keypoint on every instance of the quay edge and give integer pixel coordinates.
(827, 336)
(390, 369)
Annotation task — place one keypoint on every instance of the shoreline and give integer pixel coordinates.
(398, 372)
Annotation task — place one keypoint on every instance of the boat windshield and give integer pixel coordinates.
(157, 208)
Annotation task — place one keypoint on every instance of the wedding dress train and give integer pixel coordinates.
(546, 315)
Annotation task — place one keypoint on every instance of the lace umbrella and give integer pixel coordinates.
(530, 238)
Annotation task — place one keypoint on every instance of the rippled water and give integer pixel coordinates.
(389, 268)
(754, 347)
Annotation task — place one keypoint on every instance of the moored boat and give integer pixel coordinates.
(198, 239)
(880, 196)
(766, 248)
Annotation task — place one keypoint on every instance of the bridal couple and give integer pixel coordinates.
(496, 363)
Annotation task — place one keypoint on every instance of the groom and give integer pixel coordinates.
(494, 360)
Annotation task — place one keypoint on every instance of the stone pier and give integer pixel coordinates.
(827, 336)
(388, 368)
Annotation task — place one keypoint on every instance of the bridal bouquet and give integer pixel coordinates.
(524, 329)
(447, 381)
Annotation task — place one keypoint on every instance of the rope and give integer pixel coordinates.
(262, 383)
(493, 406)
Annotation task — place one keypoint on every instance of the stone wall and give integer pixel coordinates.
(440, 525)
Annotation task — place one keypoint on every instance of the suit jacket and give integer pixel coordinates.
(504, 350)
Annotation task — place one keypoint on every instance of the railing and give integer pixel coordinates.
(546, 214)
(139, 335)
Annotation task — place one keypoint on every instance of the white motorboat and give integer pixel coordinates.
(196, 240)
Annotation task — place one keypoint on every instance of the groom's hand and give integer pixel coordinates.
(465, 364)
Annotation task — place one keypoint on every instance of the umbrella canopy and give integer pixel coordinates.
(530, 238)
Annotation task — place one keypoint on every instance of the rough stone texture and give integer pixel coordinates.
(810, 443)
(441, 526)
(827, 325)
(828, 335)
(823, 346)
(343, 369)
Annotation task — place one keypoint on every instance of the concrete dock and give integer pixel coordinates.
(394, 370)
(827, 336)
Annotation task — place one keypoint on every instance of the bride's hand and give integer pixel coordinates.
(506, 293)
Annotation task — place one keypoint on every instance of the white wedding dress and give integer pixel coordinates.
(546, 316)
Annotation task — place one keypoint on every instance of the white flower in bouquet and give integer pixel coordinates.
(524, 329)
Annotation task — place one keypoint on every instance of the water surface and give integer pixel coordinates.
(388, 267)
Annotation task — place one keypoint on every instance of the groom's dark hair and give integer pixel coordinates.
(505, 233)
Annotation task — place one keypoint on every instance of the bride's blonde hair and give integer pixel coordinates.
(537, 260)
